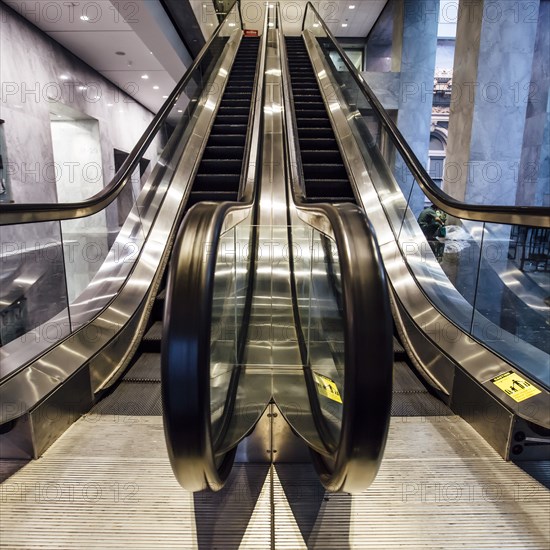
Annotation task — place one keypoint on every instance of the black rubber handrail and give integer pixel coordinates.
(352, 462)
(535, 216)
(19, 213)
(194, 454)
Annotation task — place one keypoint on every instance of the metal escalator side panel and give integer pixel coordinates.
(117, 329)
(443, 347)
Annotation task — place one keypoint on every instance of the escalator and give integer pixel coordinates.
(430, 299)
(302, 332)
(209, 155)
(219, 174)
(324, 173)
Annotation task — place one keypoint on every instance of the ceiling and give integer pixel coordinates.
(147, 43)
(140, 31)
(358, 21)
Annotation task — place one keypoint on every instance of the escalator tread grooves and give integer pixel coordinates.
(219, 173)
(323, 159)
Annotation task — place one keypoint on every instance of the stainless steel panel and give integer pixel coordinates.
(110, 340)
(447, 344)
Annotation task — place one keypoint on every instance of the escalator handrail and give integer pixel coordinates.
(186, 349)
(367, 322)
(191, 278)
(535, 216)
(19, 213)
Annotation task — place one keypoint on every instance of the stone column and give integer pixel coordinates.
(417, 66)
(531, 186)
(495, 43)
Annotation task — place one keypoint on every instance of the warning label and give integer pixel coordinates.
(515, 386)
(327, 387)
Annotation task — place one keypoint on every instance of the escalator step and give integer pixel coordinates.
(315, 132)
(302, 113)
(132, 399)
(404, 379)
(145, 369)
(418, 404)
(216, 196)
(223, 152)
(232, 119)
(238, 95)
(221, 140)
(321, 155)
(216, 182)
(321, 172)
(329, 188)
(309, 105)
(308, 122)
(317, 143)
(161, 296)
(150, 342)
(228, 129)
(220, 166)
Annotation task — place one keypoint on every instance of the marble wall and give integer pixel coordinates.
(532, 188)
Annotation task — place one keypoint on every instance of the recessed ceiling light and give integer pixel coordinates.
(315, 24)
(82, 88)
(352, 7)
(180, 110)
(109, 104)
(156, 87)
(164, 97)
(120, 53)
(64, 77)
(344, 24)
(84, 18)
(59, 116)
(271, 24)
(231, 24)
(145, 76)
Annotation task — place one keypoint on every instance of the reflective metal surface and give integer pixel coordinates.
(109, 341)
(385, 209)
(343, 317)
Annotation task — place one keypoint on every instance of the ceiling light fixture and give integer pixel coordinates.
(84, 18)
(231, 24)
(344, 24)
(315, 24)
(180, 110)
(164, 97)
(145, 76)
(156, 87)
(64, 77)
(352, 7)
(109, 104)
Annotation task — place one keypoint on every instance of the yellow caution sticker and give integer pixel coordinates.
(515, 386)
(327, 387)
